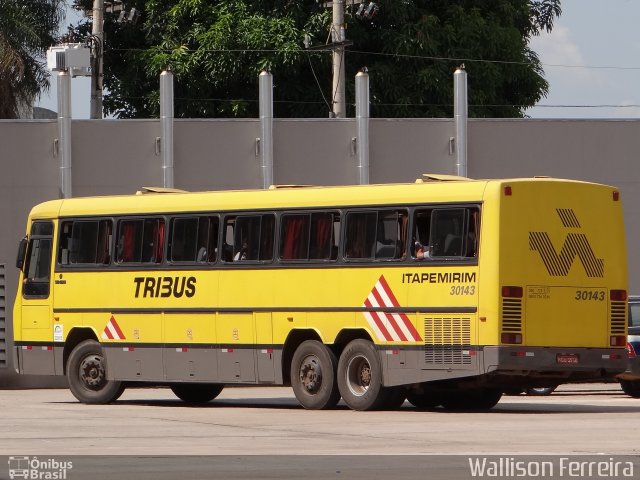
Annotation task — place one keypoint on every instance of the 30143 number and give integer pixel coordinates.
(596, 295)
(462, 290)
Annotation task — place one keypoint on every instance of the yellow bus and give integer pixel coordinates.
(446, 292)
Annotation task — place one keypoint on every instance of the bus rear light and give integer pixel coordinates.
(617, 340)
(612, 356)
(523, 354)
(511, 338)
(512, 292)
(618, 295)
(616, 196)
(631, 351)
(507, 190)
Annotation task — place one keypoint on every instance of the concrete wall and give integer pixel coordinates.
(117, 157)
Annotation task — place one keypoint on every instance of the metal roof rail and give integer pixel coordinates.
(437, 177)
(147, 190)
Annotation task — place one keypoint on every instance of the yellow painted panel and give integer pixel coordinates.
(190, 327)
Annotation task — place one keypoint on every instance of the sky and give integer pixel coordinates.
(591, 60)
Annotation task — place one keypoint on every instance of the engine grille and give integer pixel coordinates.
(618, 320)
(512, 315)
(447, 340)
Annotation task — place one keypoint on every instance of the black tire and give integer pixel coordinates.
(512, 391)
(360, 376)
(87, 375)
(196, 392)
(480, 399)
(631, 387)
(424, 400)
(313, 376)
(540, 391)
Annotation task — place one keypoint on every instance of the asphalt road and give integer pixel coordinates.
(285, 441)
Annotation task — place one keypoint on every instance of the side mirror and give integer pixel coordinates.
(22, 252)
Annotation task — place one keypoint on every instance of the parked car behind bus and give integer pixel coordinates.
(630, 379)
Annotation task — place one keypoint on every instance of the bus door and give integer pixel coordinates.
(36, 354)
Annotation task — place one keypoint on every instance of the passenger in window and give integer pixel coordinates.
(421, 251)
(242, 253)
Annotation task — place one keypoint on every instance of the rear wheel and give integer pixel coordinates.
(313, 376)
(87, 375)
(540, 391)
(360, 376)
(196, 392)
(631, 387)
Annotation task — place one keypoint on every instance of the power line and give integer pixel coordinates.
(383, 54)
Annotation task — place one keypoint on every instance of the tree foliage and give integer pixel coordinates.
(216, 49)
(27, 29)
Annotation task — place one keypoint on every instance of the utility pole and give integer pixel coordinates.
(338, 38)
(97, 72)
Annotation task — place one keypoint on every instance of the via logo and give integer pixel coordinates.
(557, 263)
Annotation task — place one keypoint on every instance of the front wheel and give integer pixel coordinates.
(196, 392)
(360, 376)
(87, 375)
(631, 387)
(313, 376)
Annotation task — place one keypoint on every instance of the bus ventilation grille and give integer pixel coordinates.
(3, 319)
(512, 315)
(618, 321)
(447, 340)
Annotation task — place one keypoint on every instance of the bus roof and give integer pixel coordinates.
(429, 190)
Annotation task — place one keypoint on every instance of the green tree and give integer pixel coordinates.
(216, 50)
(27, 29)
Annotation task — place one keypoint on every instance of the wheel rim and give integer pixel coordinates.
(92, 372)
(311, 374)
(358, 375)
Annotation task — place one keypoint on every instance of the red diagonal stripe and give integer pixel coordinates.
(383, 283)
(107, 332)
(117, 328)
(410, 327)
(390, 318)
(405, 319)
(379, 323)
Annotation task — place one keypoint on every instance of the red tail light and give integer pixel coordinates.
(513, 292)
(631, 351)
(618, 295)
(618, 341)
(511, 338)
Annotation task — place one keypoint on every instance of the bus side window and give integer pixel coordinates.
(454, 232)
(85, 242)
(420, 248)
(324, 235)
(140, 241)
(249, 238)
(379, 235)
